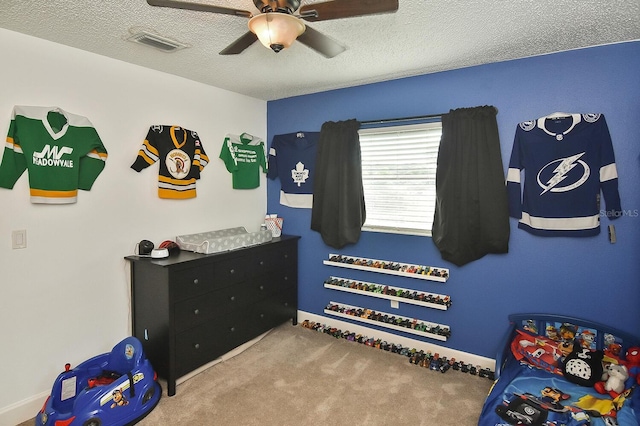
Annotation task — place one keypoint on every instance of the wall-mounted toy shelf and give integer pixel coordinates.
(398, 294)
(388, 267)
(413, 326)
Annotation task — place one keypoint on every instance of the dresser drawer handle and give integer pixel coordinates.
(196, 281)
(261, 287)
(232, 329)
(232, 298)
(262, 263)
(196, 311)
(286, 278)
(232, 271)
(261, 316)
(196, 346)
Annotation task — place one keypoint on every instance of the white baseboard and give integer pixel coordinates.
(467, 358)
(22, 411)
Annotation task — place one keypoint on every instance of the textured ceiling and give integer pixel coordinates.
(421, 37)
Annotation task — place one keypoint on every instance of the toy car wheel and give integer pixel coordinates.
(92, 422)
(148, 395)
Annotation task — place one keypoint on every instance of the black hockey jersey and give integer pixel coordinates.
(182, 158)
(568, 161)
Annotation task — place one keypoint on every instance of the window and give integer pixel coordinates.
(399, 177)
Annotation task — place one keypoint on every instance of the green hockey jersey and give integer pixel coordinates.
(243, 157)
(61, 151)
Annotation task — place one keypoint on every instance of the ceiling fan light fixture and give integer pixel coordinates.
(276, 30)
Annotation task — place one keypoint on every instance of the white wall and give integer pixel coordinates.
(66, 296)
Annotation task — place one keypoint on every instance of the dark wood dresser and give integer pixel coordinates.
(191, 308)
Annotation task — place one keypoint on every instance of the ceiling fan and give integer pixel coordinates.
(277, 25)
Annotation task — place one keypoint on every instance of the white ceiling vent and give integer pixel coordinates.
(158, 42)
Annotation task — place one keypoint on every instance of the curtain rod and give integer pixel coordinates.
(395, 120)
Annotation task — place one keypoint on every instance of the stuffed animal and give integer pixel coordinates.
(616, 374)
(632, 361)
(583, 366)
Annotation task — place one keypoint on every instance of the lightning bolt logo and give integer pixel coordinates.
(560, 174)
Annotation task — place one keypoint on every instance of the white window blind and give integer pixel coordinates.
(399, 177)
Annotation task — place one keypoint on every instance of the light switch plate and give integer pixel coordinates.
(19, 239)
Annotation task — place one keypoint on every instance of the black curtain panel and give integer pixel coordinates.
(472, 214)
(338, 211)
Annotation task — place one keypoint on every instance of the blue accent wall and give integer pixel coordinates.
(586, 277)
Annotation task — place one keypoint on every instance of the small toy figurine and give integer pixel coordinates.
(447, 365)
(435, 362)
(416, 357)
(485, 372)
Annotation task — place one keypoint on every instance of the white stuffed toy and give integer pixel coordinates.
(617, 375)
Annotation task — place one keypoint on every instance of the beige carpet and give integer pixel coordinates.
(297, 376)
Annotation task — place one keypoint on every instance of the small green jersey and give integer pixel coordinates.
(244, 156)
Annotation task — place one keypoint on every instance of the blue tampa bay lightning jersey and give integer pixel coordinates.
(568, 161)
(292, 157)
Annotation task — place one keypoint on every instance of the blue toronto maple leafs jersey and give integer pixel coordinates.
(568, 161)
(292, 157)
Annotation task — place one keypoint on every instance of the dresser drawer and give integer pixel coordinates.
(231, 270)
(190, 282)
(274, 310)
(269, 260)
(284, 277)
(191, 312)
(204, 343)
(261, 263)
(274, 281)
(286, 256)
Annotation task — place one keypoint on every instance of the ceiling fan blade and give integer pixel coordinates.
(337, 9)
(240, 44)
(199, 7)
(320, 43)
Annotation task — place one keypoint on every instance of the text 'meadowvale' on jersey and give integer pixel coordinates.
(62, 153)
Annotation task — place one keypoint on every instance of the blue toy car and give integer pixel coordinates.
(116, 389)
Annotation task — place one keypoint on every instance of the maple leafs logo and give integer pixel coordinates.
(299, 174)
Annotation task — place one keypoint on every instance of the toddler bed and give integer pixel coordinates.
(563, 371)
